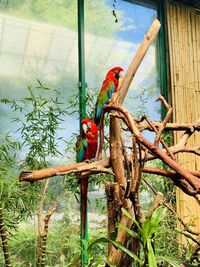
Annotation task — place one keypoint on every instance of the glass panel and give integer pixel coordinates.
(38, 40)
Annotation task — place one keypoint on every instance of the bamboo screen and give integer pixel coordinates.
(184, 54)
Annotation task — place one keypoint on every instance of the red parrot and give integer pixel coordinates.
(109, 86)
(86, 147)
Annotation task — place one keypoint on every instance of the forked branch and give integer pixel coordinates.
(153, 149)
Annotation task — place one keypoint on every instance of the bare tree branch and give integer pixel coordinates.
(165, 121)
(161, 139)
(142, 126)
(191, 179)
(97, 166)
(4, 239)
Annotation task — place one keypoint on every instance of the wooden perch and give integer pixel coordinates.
(95, 167)
(98, 166)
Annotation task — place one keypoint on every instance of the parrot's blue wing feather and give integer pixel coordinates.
(103, 98)
(80, 148)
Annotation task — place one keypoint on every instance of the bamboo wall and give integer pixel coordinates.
(183, 26)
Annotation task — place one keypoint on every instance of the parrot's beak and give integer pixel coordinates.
(85, 128)
(120, 74)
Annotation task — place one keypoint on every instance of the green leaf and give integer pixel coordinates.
(27, 99)
(128, 252)
(151, 255)
(1, 188)
(170, 260)
(125, 212)
(151, 224)
(117, 245)
(99, 240)
(129, 231)
(40, 83)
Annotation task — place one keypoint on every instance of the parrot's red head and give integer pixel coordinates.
(89, 127)
(115, 72)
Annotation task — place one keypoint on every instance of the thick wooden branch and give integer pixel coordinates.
(176, 179)
(191, 179)
(116, 156)
(136, 61)
(97, 166)
(135, 166)
(115, 197)
(116, 255)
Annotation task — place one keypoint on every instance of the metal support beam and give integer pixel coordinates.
(81, 59)
(162, 54)
(82, 107)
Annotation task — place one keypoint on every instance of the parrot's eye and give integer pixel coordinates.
(117, 75)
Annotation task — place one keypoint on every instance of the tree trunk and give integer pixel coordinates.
(4, 238)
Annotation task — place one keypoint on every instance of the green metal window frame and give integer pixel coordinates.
(162, 52)
(82, 107)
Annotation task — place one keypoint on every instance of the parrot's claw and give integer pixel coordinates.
(89, 160)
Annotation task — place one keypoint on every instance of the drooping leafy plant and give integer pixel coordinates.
(146, 234)
(38, 118)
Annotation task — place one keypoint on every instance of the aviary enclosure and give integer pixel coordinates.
(133, 232)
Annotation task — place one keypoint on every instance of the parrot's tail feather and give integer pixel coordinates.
(97, 117)
(84, 190)
(101, 142)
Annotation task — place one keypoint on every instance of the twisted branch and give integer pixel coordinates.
(156, 151)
